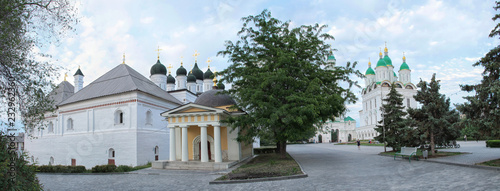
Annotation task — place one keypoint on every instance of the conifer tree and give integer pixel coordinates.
(482, 110)
(434, 120)
(279, 78)
(393, 123)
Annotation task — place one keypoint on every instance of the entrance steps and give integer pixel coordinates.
(193, 165)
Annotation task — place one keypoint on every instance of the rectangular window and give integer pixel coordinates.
(408, 102)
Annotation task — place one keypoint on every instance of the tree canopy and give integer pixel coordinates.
(482, 110)
(435, 120)
(279, 78)
(394, 128)
(24, 25)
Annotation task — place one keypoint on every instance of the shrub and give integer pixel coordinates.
(124, 168)
(61, 169)
(493, 143)
(104, 168)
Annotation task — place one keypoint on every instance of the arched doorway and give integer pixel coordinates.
(349, 138)
(209, 151)
(111, 156)
(197, 147)
(320, 139)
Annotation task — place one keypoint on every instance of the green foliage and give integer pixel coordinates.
(61, 169)
(394, 123)
(493, 143)
(124, 168)
(104, 168)
(16, 173)
(482, 110)
(25, 25)
(279, 78)
(435, 121)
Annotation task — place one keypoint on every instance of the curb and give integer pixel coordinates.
(303, 175)
(466, 165)
(457, 164)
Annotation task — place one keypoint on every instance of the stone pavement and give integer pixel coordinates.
(330, 167)
(478, 153)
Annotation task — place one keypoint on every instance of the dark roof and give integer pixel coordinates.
(221, 86)
(62, 92)
(208, 74)
(197, 72)
(181, 71)
(158, 68)
(212, 99)
(170, 79)
(78, 72)
(120, 79)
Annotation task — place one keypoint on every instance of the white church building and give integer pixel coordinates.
(116, 118)
(377, 87)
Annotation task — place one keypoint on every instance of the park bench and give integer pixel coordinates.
(407, 151)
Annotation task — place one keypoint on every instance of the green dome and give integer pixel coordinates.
(331, 57)
(197, 72)
(387, 60)
(404, 66)
(181, 71)
(381, 62)
(220, 86)
(369, 71)
(170, 79)
(208, 74)
(158, 68)
(191, 78)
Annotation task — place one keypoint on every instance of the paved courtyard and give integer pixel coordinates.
(330, 167)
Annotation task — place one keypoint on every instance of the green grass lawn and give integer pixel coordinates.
(495, 163)
(419, 154)
(265, 165)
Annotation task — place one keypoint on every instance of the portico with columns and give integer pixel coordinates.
(197, 135)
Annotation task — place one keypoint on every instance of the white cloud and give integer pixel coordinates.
(147, 20)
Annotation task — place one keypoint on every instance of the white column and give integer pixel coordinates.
(217, 146)
(184, 144)
(172, 143)
(204, 146)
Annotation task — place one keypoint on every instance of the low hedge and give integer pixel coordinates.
(104, 168)
(263, 150)
(61, 169)
(493, 143)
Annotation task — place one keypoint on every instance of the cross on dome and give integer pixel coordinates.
(195, 55)
(158, 52)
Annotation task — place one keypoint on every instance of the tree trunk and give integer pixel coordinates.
(283, 149)
(278, 147)
(432, 144)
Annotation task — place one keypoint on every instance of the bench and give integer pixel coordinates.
(407, 151)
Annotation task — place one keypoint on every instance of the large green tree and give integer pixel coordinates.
(482, 110)
(279, 78)
(24, 25)
(393, 128)
(435, 121)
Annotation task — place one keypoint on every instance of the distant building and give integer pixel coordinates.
(341, 130)
(377, 87)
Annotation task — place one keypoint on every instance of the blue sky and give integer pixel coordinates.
(443, 37)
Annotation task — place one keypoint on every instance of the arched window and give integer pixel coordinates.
(70, 124)
(51, 161)
(157, 152)
(111, 153)
(51, 127)
(149, 117)
(118, 117)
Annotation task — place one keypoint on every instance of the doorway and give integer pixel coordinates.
(208, 148)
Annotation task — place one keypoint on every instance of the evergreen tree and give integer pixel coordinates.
(482, 110)
(397, 132)
(279, 78)
(434, 120)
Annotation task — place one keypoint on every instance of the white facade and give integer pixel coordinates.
(345, 128)
(160, 80)
(377, 87)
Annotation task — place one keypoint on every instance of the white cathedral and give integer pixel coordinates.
(116, 120)
(378, 85)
